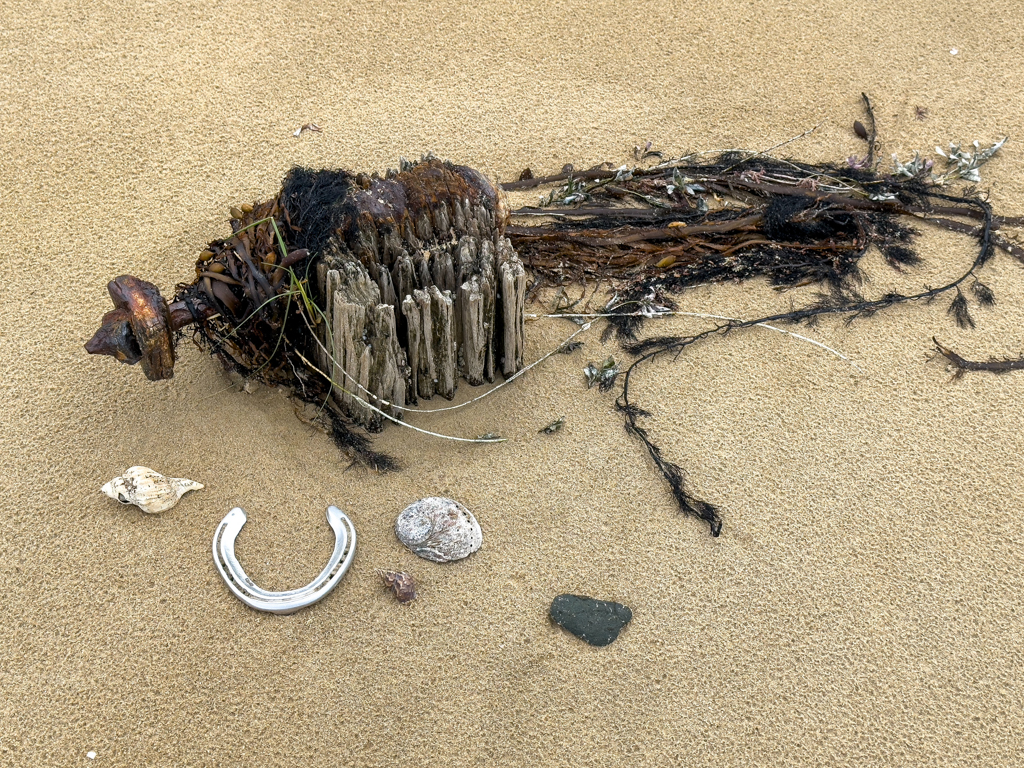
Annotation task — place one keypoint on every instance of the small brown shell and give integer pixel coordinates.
(401, 585)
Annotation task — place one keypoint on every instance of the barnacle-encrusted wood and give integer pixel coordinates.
(378, 290)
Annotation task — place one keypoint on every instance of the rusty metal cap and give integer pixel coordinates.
(138, 329)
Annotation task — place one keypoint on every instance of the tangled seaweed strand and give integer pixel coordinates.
(796, 224)
(838, 303)
(792, 222)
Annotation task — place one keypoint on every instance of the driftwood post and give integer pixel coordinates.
(434, 298)
(414, 284)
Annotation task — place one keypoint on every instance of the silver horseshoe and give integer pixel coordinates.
(293, 599)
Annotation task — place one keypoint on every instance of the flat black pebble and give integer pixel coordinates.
(597, 622)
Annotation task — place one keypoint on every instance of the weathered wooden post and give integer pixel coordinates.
(396, 287)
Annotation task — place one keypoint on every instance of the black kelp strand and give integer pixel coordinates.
(983, 294)
(958, 309)
(840, 301)
(359, 447)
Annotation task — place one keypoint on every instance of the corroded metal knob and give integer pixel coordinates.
(138, 329)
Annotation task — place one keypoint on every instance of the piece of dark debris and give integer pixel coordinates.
(597, 622)
(553, 427)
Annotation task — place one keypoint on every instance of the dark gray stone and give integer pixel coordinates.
(597, 622)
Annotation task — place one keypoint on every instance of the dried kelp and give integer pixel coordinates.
(654, 231)
(962, 365)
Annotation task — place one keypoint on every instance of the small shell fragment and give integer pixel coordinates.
(439, 529)
(401, 585)
(307, 127)
(149, 490)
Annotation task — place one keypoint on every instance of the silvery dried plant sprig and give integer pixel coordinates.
(573, 191)
(648, 308)
(916, 167)
(965, 165)
(554, 426)
(652, 304)
(603, 375)
(960, 164)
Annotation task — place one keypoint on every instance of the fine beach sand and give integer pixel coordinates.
(862, 606)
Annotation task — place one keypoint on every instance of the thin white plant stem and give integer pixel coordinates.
(491, 391)
(704, 315)
(399, 422)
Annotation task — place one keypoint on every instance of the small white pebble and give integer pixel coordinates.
(91, 755)
(954, 51)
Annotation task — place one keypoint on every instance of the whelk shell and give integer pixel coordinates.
(439, 529)
(401, 585)
(149, 490)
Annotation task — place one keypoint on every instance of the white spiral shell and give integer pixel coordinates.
(439, 529)
(149, 490)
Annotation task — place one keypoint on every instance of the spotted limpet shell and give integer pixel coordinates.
(439, 529)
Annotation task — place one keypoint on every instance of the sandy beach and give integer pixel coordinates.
(863, 604)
